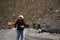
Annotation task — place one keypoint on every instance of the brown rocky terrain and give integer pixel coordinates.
(45, 11)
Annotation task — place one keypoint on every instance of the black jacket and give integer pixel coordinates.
(18, 24)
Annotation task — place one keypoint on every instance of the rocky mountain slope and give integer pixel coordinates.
(44, 11)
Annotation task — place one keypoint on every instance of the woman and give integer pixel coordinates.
(20, 25)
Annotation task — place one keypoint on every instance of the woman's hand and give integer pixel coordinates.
(14, 28)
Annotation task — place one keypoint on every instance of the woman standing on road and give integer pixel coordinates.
(20, 25)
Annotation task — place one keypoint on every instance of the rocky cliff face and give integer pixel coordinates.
(44, 11)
